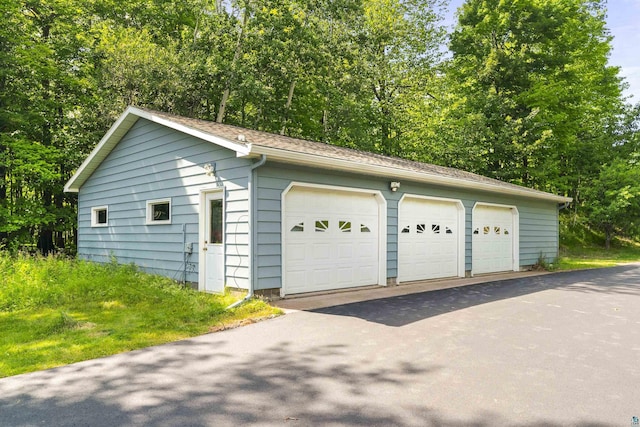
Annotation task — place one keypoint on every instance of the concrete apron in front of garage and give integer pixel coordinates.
(315, 300)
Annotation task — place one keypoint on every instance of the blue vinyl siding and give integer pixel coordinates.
(538, 220)
(155, 162)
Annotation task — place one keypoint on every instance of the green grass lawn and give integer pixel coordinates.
(56, 311)
(596, 257)
(582, 247)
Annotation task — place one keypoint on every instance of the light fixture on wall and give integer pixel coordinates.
(394, 185)
(210, 169)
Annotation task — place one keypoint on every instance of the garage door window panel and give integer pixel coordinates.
(322, 226)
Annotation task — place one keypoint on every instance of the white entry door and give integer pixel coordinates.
(213, 244)
(495, 237)
(331, 239)
(430, 239)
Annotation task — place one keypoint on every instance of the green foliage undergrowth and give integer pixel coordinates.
(583, 247)
(55, 311)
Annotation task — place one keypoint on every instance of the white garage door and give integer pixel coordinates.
(429, 239)
(331, 240)
(494, 235)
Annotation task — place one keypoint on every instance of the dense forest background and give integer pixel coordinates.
(520, 90)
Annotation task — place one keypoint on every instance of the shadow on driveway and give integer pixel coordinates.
(196, 386)
(405, 309)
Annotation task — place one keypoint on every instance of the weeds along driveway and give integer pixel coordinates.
(554, 350)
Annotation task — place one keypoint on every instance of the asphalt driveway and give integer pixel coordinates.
(553, 350)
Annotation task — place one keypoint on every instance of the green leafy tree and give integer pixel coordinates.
(135, 70)
(401, 41)
(288, 68)
(614, 199)
(628, 132)
(532, 88)
(10, 93)
(49, 78)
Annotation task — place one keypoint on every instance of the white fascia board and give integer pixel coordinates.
(121, 127)
(393, 173)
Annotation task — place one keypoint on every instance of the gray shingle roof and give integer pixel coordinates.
(254, 139)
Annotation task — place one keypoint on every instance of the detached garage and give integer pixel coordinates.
(221, 206)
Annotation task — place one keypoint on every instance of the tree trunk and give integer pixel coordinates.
(608, 235)
(58, 200)
(325, 125)
(45, 232)
(3, 170)
(287, 107)
(45, 242)
(525, 171)
(388, 144)
(4, 236)
(223, 102)
(230, 75)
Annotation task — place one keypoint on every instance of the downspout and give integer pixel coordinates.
(560, 207)
(184, 253)
(253, 198)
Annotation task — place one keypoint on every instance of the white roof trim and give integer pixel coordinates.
(393, 173)
(119, 130)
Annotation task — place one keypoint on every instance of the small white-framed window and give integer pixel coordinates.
(100, 216)
(159, 211)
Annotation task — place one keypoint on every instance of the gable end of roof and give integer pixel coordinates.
(120, 128)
